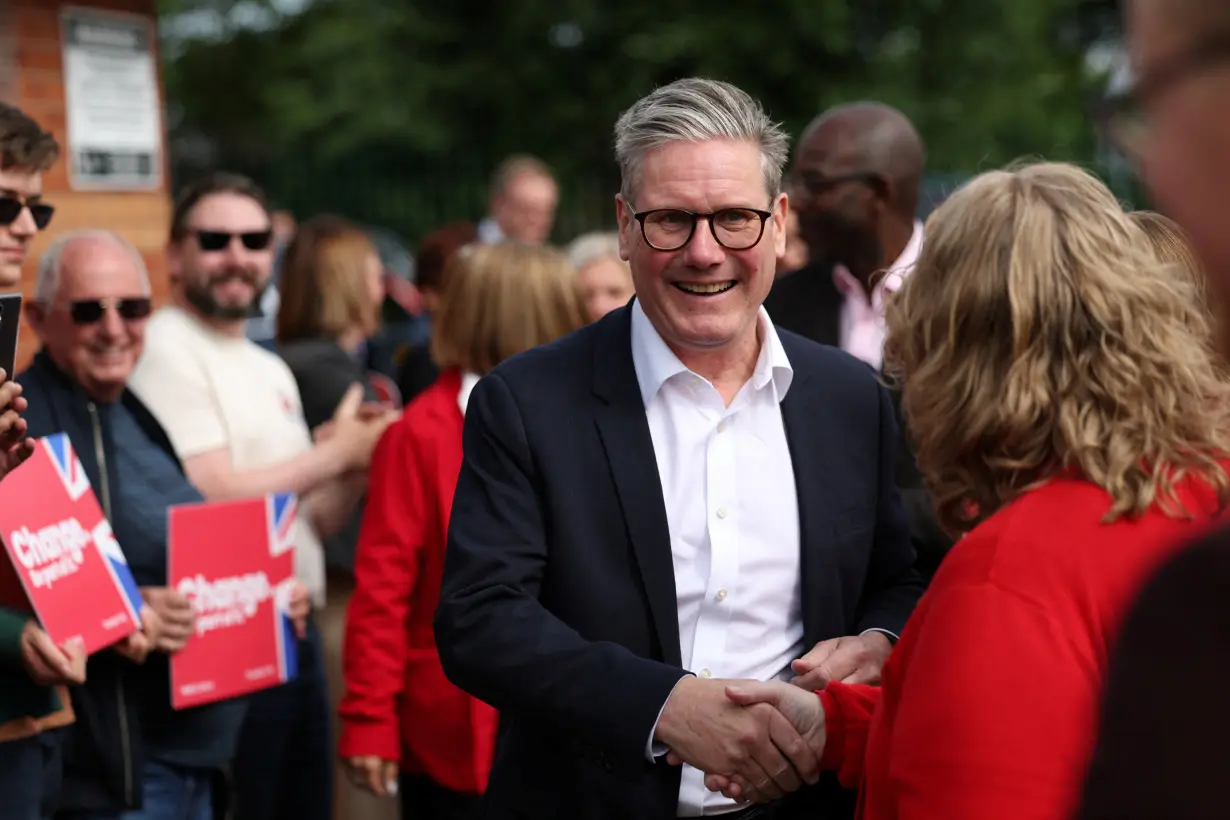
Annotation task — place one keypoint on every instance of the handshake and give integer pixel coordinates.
(755, 741)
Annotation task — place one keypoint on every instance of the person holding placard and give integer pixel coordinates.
(131, 754)
(33, 669)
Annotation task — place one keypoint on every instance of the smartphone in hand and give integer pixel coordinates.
(10, 329)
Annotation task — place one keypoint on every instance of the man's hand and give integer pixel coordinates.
(802, 709)
(707, 729)
(15, 448)
(137, 646)
(48, 664)
(368, 411)
(373, 774)
(299, 607)
(854, 659)
(356, 428)
(176, 618)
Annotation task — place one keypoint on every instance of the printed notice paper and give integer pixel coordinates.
(68, 568)
(235, 562)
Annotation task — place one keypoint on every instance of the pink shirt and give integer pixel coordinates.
(862, 319)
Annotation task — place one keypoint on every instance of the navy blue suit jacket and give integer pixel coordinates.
(558, 602)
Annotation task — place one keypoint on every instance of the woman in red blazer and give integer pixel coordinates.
(1072, 421)
(399, 712)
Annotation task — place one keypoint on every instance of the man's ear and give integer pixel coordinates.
(624, 219)
(35, 316)
(781, 207)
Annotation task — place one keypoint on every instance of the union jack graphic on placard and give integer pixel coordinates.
(284, 628)
(283, 507)
(117, 565)
(68, 466)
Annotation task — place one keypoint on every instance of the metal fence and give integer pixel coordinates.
(412, 196)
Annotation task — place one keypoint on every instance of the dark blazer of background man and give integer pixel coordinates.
(857, 172)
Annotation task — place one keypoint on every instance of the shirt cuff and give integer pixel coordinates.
(892, 636)
(653, 749)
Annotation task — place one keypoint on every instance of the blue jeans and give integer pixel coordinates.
(30, 773)
(284, 765)
(167, 793)
(172, 793)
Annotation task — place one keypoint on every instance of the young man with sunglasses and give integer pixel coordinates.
(233, 413)
(33, 670)
(26, 152)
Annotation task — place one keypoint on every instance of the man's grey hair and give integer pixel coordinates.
(48, 282)
(591, 247)
(697, 110)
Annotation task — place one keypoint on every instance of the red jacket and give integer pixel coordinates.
(990, 700)
(398, 705)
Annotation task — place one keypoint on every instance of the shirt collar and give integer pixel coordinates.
(655, 363)
(894, 274)
(904, 264)
(468, 382)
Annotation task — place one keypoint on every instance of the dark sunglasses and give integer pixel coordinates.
(11, 207)
(220, 240)
(89, 311)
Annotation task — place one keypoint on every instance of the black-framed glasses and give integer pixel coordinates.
(1121, 117)
(213, 241)
(814, 184)
(89, 311)
(11, 208)
(669, 229)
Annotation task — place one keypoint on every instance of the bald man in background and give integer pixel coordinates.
(1166, 720)
(855, 184)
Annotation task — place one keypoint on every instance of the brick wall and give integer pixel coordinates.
(39, 91)
(8, 53)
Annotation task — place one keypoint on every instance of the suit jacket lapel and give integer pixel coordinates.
(814, 486)
(624, 430)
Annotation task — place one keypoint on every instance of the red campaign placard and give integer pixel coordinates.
(66, 566)
(235, 560)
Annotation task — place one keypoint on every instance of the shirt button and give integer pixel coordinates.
(705, 673)
(721, 427)
(721, 594)
(721, 513)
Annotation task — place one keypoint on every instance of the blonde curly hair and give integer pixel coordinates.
(1038, 335)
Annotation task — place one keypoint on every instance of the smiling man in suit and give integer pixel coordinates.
(672, 496)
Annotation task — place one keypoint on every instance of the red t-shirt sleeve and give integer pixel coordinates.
(996, 712)
(374, 651)
(848, 710)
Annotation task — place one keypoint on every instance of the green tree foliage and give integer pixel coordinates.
(420, 93)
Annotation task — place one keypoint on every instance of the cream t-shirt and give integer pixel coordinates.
(210, 391)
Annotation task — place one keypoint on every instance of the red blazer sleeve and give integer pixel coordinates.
(848, 709)
(374, 650)
(996, 713)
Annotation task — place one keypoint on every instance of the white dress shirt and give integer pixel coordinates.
(731, 506)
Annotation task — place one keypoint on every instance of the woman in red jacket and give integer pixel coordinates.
(1071, 421)
(399, 712)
